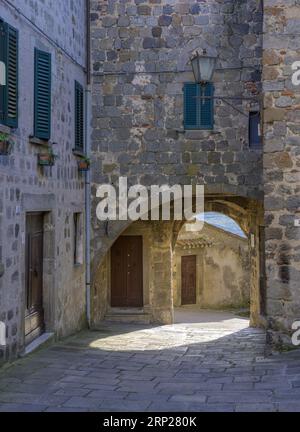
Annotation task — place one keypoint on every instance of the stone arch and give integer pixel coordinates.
(157, 272)
(246, 210)
(221, 257)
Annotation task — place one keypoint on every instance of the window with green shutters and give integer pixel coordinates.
(198, 106)
(42, 95)
(9, 58)
(79, 117)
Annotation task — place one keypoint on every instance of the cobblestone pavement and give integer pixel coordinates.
(215, 365)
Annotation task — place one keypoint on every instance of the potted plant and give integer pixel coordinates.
(84, 164)
(47, 159)
(5, 144)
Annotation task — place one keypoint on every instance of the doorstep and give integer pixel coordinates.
(128, 315)
(38, 343)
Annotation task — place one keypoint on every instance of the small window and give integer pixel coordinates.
(198, 106)
(9, 66)
(255, 138)
(78, 239)
(79, 117)
(42, 95)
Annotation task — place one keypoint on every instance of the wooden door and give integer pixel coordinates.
(188, 280)
(34, 314)
(127, 272)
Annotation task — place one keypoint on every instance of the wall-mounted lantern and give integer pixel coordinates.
(204, 67)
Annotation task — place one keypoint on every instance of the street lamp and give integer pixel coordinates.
(203, 67)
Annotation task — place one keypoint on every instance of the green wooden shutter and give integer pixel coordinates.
(79, 117)
(198, 113)
(12, 77)
(3, 44)
(190, 106)
(206, 107)
(42, 95)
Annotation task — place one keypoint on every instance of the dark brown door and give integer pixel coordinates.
(188, 280)
(127, 272)
(34, 314)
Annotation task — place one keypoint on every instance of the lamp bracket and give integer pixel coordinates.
(226, 99)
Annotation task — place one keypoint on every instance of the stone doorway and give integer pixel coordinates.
(34, 310)
(188, 279)
(127, 272)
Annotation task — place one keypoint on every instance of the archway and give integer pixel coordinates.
(159, 239)
(211, 268)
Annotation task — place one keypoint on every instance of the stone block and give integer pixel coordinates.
(144, 10)
(274, 114)
(156, 31)
(165, 20)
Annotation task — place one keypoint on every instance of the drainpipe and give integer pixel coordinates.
(88, 104)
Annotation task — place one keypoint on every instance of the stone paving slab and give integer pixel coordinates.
(191, 366)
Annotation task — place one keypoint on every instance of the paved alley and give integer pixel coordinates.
(206, 361)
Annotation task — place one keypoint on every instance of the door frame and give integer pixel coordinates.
(179, 253)
(39, 330)
(262, 271)
(125, 239)
(181, 276)
(134, 231)
(44, 204)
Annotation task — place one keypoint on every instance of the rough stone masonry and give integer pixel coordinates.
(57, 192)
(281, 166)
(140, 55)
(140, 60)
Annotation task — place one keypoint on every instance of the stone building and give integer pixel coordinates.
(140, 63)
(141, 77)
(151, 124)
(42, 208)
(281, 167)
(211, 269)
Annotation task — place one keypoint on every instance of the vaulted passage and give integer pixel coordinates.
(211, 265)
(151, 268)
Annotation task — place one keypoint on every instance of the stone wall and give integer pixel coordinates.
(25, 187)
(223, 268)
(281, 166)
(140, 61)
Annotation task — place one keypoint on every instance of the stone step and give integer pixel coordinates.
(40, 342)
(128, 317)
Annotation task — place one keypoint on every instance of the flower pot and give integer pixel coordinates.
(5, 147)
(83, 166)
(45, 159)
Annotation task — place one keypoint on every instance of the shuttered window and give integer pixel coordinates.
(42, 95)
(9, 59)
(198, 107)
(255, 138)
(3, 68)
(79, 117)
